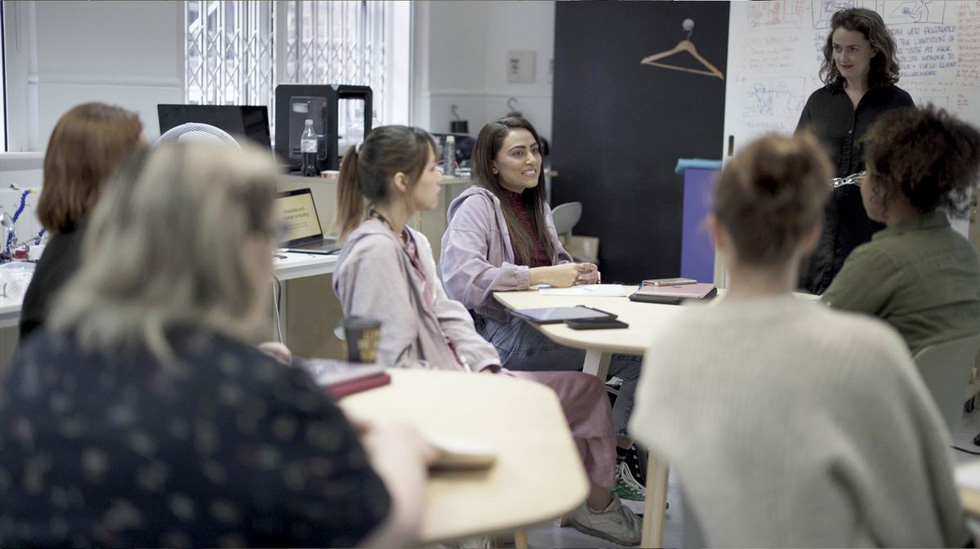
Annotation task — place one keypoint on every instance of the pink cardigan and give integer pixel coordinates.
(374, 278)
(477, 255)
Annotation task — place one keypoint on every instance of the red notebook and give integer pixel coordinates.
(341, 378)
(345, 388)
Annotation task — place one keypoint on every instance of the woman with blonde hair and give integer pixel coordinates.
(787, 423)
(144, 416)
(85, 148)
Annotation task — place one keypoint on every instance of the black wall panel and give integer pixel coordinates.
(619, 126)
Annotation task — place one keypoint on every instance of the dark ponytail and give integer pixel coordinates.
(350, 201)
(367, 170)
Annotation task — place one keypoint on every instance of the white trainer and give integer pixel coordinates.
(615, 523)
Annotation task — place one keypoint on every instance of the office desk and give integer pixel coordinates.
(295, 265)
(300, 265)
(644, 319)
(538, 475)
(10, 311)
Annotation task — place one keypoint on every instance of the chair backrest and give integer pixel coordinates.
(945, 367)
(566, 216)
(197, 133)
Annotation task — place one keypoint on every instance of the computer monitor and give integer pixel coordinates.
(251, 121)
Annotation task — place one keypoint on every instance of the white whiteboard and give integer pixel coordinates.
(775, 50)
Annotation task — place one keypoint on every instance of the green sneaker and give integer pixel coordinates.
(631, 494)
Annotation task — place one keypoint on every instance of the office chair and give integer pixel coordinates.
(565, 217)
(193, 132)
(945, 368)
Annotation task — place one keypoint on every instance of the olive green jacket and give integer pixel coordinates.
(920, 276)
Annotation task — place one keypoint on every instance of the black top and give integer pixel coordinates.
(58, 263)
(840, 127)
(116, 451)
(831, 116)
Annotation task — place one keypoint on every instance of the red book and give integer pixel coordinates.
(345, 388)
(341, 378)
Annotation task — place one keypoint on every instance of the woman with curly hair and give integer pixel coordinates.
(919, 274)
(859, 70)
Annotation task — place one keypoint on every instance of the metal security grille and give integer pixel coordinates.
(231, 50)
(230, 53)
(339, 43)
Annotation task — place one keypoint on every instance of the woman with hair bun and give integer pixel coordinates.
(919, 274)
(788, 423)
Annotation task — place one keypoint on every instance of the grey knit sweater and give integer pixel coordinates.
(789, 424)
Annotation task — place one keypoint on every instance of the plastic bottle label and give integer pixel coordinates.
(307, 146)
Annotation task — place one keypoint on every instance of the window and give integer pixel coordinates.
(233, 57)
(230, 57)
(3, 87)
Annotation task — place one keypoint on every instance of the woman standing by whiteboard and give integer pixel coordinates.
(860, 69)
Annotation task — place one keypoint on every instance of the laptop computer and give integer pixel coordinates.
(298, 211)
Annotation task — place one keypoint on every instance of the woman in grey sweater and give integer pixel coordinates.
(788, 423)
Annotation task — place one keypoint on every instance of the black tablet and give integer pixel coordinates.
(554, 315)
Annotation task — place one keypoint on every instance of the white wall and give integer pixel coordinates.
(461, 58)
(60, 54)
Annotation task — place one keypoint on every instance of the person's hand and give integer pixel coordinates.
(277, 351)
(398, 437)
(562, 276)
(587, 274)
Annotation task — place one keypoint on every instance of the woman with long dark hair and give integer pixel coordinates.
(386, 270)
(859, 70)
(501, 237)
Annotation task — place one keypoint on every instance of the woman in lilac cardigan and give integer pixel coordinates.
(386, 271)
(501, 237)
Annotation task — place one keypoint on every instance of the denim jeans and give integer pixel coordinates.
(523, 348)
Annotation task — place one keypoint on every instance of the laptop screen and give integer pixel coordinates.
(297, 211)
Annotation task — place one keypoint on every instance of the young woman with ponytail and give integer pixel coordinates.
(386, 271)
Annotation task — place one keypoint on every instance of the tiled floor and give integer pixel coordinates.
(553, 536)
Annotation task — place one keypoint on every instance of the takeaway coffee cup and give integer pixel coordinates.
(362, 335)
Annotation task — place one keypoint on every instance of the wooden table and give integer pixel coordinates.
(967, 475)
(644, 320)
(599, 345)
(538, 475)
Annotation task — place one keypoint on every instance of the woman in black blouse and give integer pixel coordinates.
(860, 69)
(143, 416)
(87, 145)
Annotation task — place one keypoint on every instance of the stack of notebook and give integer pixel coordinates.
(674, 295)
(341, 378)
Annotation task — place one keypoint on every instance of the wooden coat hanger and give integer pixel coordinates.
(688, 46)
